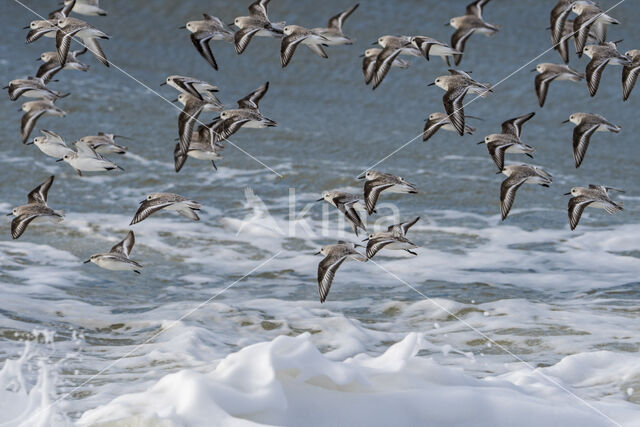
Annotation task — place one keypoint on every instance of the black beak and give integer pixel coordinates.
(233, 23)
(317, 253)
(175, 100)
(361, 56)
(432, 84)
(122, 136)
(28, 143)
(447, 24)
(534, 70)
(566, 121)
(163, 83)
(38, 59)
(182, 28)
(481, 142)
(10, 213)
(498, 173)
(87, 261)
(320, 200)
(374, 43)
(355, 245)
(361, 176)
(26, 28)
(567, 194)
(364, 240)
(59, 160)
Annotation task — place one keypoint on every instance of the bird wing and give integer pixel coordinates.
(372, 190)
(186, 121)
(258, 9)
(368, 65)
(63, 41)
(581, 137)
(458, 40)
(594, 72)
(454, 108)
(384, 61)
(20, 223)
(496, 151)
(475, 8)
(576, 207)
(337, 21)
(200, 40)
(431, 127)
(48, 70)
(243, 37)
(508, 193)
(542, 85)
(179, 159)
(289, 45)
(514, 126)
(581, 28)
(39, 194)
(228, 127)
(251, 101)
(28, 122)
(629, 78)
(326, 272)
(124, 247)
(93, 45)
(85, 149)
(375, 245)
(148, 207)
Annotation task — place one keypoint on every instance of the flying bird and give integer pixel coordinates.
(334, 256)
(468, 24)
(35, 209)
(117, 258)
(601, 55)
(586, 125)
(256, 24)
(333, 33)
(202, 32)
(547, 73)
(630, 73)
(348, 204)
(596, 196)
(516, 176)
(168, 201)
(377, 182)
(394, 239)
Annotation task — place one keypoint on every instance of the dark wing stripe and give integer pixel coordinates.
(384, 61)
(28, 122)
(542, 86)
(576, 207)
(288, 47)
(430, 128)
(186, 122)
(581, 138)
(20, 223)
(39, 194)
(147, 208)
(200, 40)
(514, 126)
(368, 65)
(454, 108)
(243, 37)
(458, 40)
(63, 41)
(326, 272)
(496, 150)
(178, 158)
(629, 78)
(94, 47)
(375, 245)
(372, 190)
(594, 73)
(508, 194)
(48, 70)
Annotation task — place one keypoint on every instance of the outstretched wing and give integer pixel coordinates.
(594, 72)
(326, 272)
(581, 138)
(514, 126)
(20, 223)
(243, 37)
(258, 9)
(576, 207)
(454, 108)
(629, 78)
(372, 190)
(496, 151)
(200, 40)
(508, 193)
(39, 194)
(251, 101)
(124, 247)
(384, 61)
(148, 207)
(542, 85)
(337, 21)
(458, 40)
(288, 47)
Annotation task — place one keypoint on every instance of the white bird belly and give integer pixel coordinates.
(204, 155)
(114, 264)
(90, 164)
(55, 151)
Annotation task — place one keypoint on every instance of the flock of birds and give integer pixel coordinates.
(205, 141)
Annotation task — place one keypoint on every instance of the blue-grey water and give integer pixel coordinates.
(559, 300)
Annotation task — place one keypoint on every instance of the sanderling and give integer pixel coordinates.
(432, 47)
(32, 87)
(293, 36)
(202, 32)
(334, 256)
(85, 159)
(33, 111)
(86, 7)
(333, 33)
(499, 143)
(601, 55)
(567, 34)
(51, 144)
(168, 201)
(596, 196)
(558, 19)
(630, 73)
(248, 116)
(392, 46)
(52, 65)
(36, 208)
(346, 203)
(508, 141)
(456, 86)
(369, 63)
(516, 176)
(200, 89)
(104, 143)
(394, 238)
(72, 27)
(586, 125)
(256, 24)
(377, 182)
(437, 121)
(202, 146)
(468, 24)
(549, 72)
(590, 20)
(117, 258)
(189, 115)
